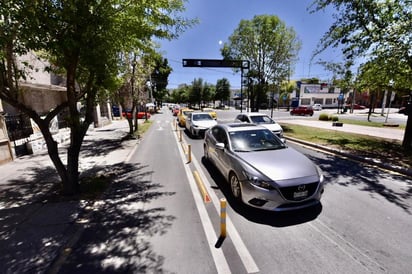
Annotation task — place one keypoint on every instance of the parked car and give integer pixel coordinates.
(139, 115)
(317, 107)
(263, 120)
(198, 122)
(355, 106)
(262, 171)
(211, 111)
(302, 110)
(181, 117)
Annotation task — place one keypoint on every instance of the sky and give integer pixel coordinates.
(217, 21)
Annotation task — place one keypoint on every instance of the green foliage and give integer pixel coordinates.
(328, 117)
(324, 117)
(379, 31)
(222, 89)
(84, 41)
(269, 45)
(334, 118)
(159, 76)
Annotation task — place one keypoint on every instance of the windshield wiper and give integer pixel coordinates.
(242, 150)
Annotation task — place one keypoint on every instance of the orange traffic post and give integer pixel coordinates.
(223, 217)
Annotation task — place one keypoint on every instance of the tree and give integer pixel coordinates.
(82, 39)
(222, 90)
(159, 76)
(372, 29)
(269, 45)
(196, 90)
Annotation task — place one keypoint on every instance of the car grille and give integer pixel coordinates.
(289, 193)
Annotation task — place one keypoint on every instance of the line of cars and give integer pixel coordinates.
(251, 153)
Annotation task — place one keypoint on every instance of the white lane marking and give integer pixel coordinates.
(348, 248)
(217, 253)
(244, 254)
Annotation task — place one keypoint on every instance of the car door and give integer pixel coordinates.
(222, 157)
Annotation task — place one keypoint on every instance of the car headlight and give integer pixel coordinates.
(256, 181)
(320, 173)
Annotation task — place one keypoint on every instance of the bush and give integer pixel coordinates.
(323, 117)
(334, 118)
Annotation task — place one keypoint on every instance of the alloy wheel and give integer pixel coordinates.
(235, 186)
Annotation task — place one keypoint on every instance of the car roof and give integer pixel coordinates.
(231, 127)
(200, 112)
(255, 114)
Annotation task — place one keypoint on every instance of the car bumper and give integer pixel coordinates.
(280, 199)
(198, 131)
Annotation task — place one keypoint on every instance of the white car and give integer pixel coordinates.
(263, 120)
(198, 122)
(317, 107)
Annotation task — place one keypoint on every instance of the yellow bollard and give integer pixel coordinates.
(189, 153)
(223, 217)
(180, 135)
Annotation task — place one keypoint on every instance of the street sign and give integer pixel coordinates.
(215, 63)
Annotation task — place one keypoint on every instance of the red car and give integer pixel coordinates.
(355, 106)
(139, 115)
(301, 110)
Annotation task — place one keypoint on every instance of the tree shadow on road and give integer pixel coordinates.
(276, 219)
(119, 225)
(370, 179)
(113, 230)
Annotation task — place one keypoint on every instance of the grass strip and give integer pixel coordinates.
(367, 146)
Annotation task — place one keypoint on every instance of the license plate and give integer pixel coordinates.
(300, 194)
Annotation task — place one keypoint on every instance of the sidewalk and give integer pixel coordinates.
(34, 223)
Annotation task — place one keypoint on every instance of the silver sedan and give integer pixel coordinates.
(263, 171)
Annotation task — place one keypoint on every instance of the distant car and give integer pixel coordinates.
(302, 110)
(355, 106)
(261, 170)
(211, 111)
(181, 117)
(198, 122)
(139, 115)
(317, 107)
(263, 120)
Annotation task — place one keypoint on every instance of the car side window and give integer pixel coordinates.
(219, 135)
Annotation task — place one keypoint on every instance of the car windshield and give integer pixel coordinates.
(261, 119)
(201, 117)
(254, 140)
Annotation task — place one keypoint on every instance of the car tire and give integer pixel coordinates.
(235, 186)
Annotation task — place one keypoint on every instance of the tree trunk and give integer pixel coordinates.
(407, 138)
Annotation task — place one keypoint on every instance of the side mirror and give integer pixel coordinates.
(220, 146)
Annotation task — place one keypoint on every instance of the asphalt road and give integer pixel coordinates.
(165, 225)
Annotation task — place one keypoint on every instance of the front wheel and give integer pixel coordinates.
(235, 186)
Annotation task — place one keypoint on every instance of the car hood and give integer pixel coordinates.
(282, 165)
(272, 127)
(205, 123)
